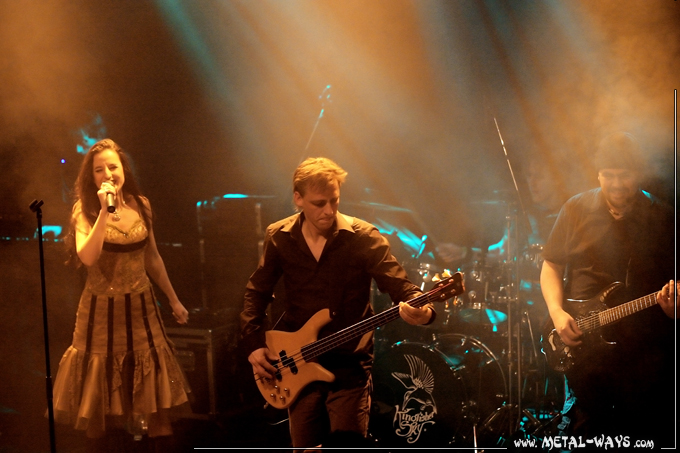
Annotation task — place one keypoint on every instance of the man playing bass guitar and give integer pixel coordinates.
(622, 374)
(326, 260)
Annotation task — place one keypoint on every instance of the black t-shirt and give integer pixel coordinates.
(598, 250)
(637, 250)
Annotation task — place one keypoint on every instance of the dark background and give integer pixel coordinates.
(218, 97)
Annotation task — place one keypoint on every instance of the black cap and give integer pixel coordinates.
(619, 150)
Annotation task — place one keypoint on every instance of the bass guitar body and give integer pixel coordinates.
(293, 375)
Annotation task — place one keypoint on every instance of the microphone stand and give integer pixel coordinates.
(35, 207)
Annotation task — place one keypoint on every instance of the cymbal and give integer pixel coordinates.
(377, 206)
(498, 197)
(489, 202)
(482, 315)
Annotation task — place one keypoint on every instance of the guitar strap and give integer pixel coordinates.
(278, 321)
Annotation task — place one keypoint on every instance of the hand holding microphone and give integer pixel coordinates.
(110, 190)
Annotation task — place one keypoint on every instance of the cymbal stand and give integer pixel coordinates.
(514, 403)
(514, 359)
(506, 420)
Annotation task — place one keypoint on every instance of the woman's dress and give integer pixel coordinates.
(121, 362)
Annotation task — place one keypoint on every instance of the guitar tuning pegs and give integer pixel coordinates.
(446, 273)
(436, 278)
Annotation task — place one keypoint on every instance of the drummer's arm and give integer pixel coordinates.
(450, 252)
(553, 294)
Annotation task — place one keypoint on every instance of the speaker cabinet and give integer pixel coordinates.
(231, 231)
(204, 355)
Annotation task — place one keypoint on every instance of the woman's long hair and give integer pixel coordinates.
(85, 191)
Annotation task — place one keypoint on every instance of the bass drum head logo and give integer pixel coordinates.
(418, 407)
(417, 399)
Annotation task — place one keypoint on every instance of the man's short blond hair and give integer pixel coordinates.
(317, 172)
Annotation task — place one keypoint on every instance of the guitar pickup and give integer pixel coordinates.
(285, 361)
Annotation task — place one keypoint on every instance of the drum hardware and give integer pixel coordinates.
(426, 272)
(513, 414)
(548, 428)
(446, 318)
(492, 431)
(479, 313)
(484, 296)
(533, 255)
(493, 300)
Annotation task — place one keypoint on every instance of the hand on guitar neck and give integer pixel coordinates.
(669, 299)
(415, 316)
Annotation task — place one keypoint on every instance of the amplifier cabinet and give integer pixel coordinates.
(230, 233)
(205, 355)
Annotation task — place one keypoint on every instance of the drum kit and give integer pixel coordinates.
(475, 377)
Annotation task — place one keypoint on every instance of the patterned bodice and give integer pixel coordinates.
(120, 268)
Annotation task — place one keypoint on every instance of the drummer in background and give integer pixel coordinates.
(548, 192)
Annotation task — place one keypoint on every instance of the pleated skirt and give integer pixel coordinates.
(120, 365)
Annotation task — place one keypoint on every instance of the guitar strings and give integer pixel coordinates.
(325, 344)
(365, 326)
(615, 314)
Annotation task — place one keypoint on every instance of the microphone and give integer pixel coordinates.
(110, 203)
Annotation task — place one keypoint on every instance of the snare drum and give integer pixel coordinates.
(433, 395)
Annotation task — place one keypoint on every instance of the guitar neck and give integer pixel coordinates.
(318, 347)
(617, 313)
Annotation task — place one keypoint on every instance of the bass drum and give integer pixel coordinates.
(483, 373)
(429, 395)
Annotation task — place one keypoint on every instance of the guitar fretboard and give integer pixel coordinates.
(316, 348)
(617, 313)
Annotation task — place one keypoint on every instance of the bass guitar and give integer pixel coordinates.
(590, 315)
(298, 350)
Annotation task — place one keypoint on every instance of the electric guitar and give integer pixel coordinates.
(297, 350)
(590, 315)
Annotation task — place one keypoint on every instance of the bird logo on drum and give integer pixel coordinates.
(418, 407)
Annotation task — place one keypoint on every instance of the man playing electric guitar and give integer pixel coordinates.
(616, 233)
(326, 260)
